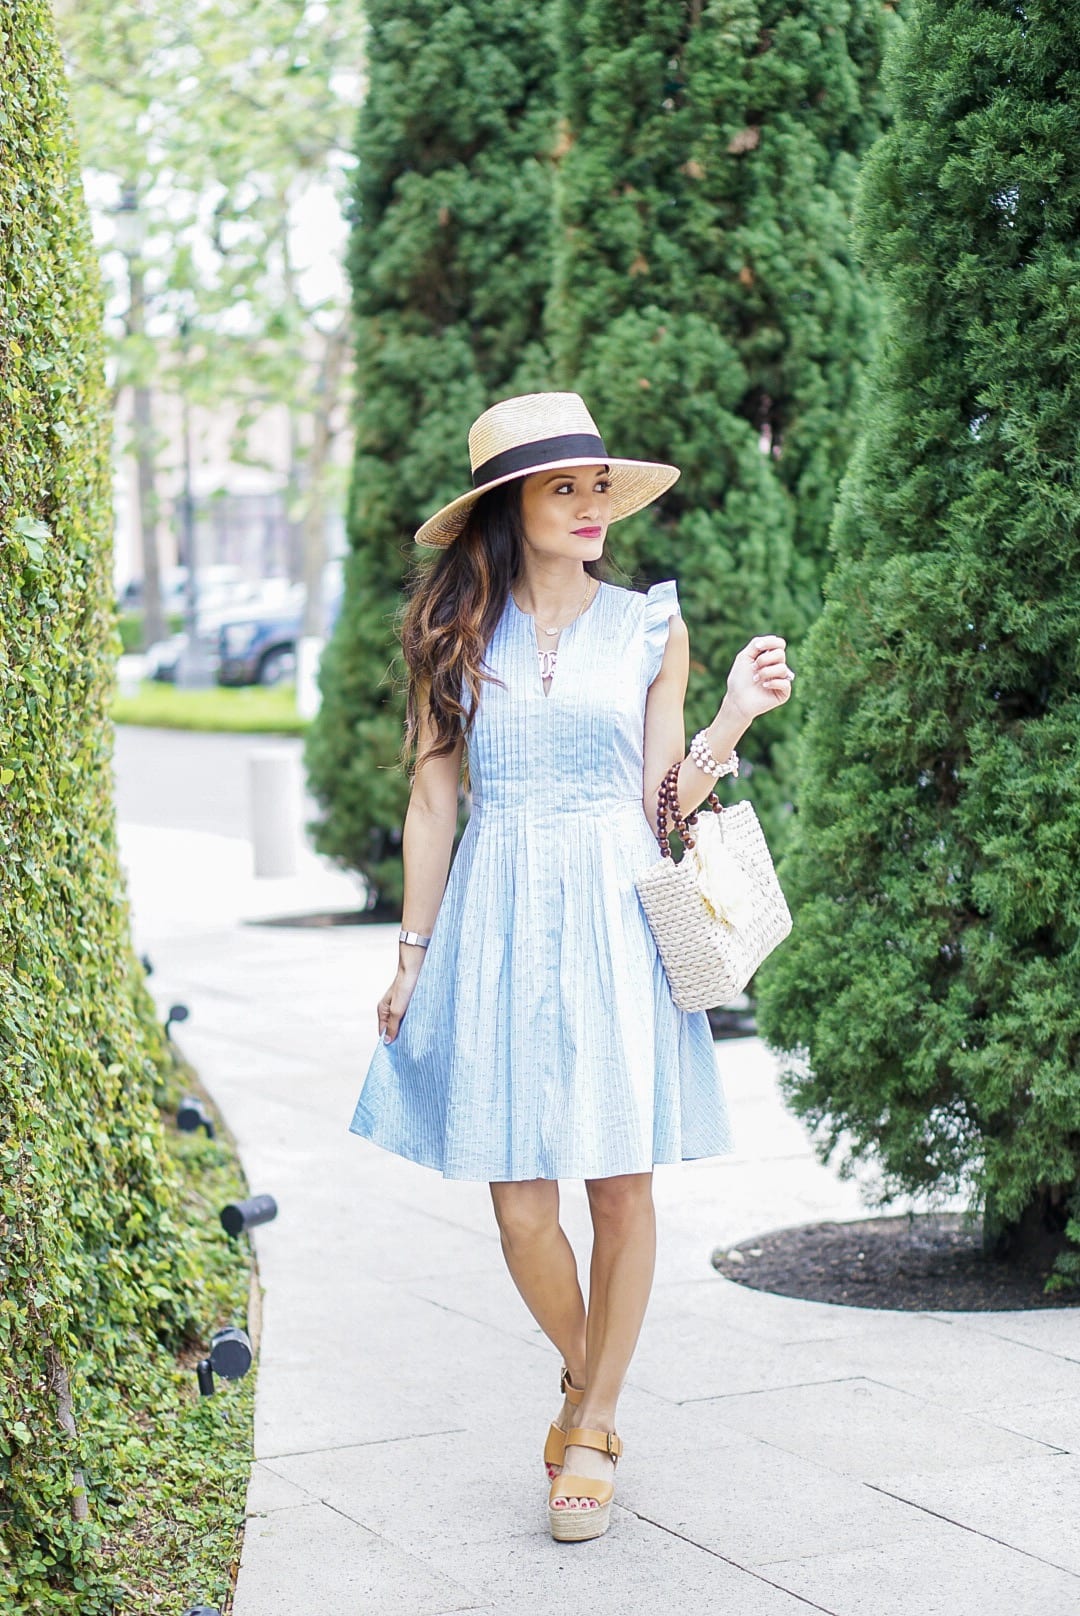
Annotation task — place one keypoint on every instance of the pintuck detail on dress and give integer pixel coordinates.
(541, 1039)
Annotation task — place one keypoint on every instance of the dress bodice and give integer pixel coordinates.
(580, 745)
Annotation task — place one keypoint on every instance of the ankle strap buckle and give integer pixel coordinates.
(588, 1436)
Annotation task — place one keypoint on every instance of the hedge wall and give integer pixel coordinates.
(88, 1253)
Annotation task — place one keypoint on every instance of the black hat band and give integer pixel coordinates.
(531, 456)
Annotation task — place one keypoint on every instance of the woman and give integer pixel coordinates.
(529, 1033)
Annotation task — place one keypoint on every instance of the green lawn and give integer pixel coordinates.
(248, 709)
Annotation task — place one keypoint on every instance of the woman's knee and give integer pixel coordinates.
(620, 1199)
(526, 1210)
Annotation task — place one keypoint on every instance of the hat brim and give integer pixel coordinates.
(634, 484)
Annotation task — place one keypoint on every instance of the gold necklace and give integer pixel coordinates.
(558, 626)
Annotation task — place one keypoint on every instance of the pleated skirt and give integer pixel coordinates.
(541, 1039)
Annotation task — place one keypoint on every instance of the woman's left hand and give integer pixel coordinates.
(760, 678)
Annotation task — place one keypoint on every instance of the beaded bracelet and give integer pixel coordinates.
(667, 802)
(701, 752)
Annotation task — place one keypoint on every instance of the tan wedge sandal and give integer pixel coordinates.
(556, 1440)
(571, 1524)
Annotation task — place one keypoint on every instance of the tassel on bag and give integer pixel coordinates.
(719, 911)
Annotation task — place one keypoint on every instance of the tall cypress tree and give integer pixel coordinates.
(449, 262)
(706, 299)
(928, 999)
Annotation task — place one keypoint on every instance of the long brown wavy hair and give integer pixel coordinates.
(454, 606)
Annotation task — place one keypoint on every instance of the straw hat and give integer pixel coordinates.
(541, 432)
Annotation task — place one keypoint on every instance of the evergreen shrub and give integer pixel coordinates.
(707, 304)
(449, 260)
(927, 1001)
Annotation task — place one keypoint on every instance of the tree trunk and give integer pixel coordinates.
(294, 524)
(322, 437)
(1037, 1235)
(154, 627)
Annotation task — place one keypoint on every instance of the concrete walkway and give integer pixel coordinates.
(781, 1455)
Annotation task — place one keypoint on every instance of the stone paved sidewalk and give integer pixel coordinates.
(781, 1455)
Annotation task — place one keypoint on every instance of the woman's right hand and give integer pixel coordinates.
(395, 1001)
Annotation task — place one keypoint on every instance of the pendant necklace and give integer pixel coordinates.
(547, 657)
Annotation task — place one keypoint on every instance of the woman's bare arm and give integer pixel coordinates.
(759, 681)
(427, 837)
(665, 732)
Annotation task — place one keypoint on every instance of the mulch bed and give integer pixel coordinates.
(927, 1262)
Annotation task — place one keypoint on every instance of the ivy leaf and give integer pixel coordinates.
(31, 527)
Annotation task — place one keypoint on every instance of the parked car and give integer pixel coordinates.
(259, 648)
(161, 660)
(248, 629)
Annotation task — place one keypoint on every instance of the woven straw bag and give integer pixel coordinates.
(712, 929)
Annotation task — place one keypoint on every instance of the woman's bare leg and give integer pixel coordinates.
(620, 1282)
(542, 1265)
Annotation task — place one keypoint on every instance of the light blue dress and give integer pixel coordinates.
(541, 1039)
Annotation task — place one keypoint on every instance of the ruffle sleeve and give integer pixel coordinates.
(661, 603)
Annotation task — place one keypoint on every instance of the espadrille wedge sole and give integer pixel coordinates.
(555, 1445)
(572, 1524)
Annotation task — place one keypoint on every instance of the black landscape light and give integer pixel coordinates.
(230, 1353)
(191, 1115)
(204, 1374)
(240, 1215)
(177, 1012)
(202, 1610)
